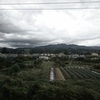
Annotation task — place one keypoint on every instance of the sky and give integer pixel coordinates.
(30, 28)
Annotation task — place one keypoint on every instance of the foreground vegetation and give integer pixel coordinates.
(23, 78)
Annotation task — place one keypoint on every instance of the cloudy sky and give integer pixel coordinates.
(31, 27)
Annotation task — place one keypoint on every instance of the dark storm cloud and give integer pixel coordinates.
(9, 28)
(25, 42)
(21, 45)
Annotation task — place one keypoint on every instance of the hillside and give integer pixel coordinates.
(57, 49)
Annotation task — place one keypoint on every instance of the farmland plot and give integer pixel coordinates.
(79, 73)
(66, 75)
(58, 74)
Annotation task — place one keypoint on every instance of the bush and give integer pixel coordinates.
(14, 69)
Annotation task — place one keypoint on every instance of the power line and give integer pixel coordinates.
(53, 8)
(31, 3)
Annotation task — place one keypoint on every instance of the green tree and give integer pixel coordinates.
(14, 69)
(4, 50)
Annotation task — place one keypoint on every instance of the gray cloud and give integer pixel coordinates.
(31, 28)
(9, 28)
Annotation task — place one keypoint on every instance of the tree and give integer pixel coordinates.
(4, 50)
(15, 68)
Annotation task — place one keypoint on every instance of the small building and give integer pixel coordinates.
(82, 56)
(52, 55)
(75, 55)
(61, 55)
(43, 57)
(95, 55)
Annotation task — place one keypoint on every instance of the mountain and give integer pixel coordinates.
(66, 48)
(57, 48)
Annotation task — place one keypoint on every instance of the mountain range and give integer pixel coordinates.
(57, 48)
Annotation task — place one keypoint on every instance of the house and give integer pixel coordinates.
(61, 55)
(43, 57)
(95, 55)
(75, 55)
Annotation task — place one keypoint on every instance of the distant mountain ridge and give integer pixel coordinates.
(67, 48)
(57, 48)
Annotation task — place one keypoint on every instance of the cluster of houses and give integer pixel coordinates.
(93, 56)
(47, 56)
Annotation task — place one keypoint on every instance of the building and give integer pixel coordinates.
(95, 55)
(75, 55)
(43, 57)
(61, 55)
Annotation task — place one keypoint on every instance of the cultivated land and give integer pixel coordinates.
(25, 78)
(58, 74)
